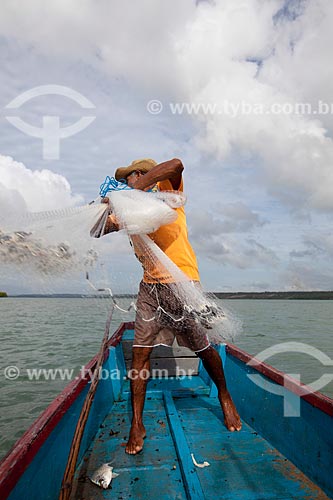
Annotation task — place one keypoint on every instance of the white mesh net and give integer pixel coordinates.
(179, 298)
(57, 241)
(142, 213)
(51, 242)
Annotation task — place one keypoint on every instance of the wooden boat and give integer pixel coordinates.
(273, 457)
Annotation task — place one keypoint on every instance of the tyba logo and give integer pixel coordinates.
(290, 398)
(51, 132)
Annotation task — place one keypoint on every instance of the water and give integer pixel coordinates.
(66, 333)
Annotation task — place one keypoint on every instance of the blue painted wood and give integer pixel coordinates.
(102, 404)
(243, 465)
(180, 386)
(44, 474)
(117, 370)
(152, 474)
(190, 478)
(203, 374)
(306, 440)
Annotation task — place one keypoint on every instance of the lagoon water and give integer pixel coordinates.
(66, 333)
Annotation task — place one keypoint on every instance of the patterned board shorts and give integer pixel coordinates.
(156, 325)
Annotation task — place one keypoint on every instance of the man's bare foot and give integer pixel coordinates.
(135, 441)
(232, 420)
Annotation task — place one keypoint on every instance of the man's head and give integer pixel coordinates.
(136, 168)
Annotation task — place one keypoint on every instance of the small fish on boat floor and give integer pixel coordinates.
(103, 476)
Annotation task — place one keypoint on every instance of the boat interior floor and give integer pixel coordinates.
(179, 421)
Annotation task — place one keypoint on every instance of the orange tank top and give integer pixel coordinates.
(172, 239)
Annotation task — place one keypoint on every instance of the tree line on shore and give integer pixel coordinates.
(292, 295)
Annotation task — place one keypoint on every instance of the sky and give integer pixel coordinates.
(239, 90)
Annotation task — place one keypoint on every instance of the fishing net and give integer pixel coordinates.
(50, 242)
(178, 298)
(56, 242)
(139, 212)
(53, 242)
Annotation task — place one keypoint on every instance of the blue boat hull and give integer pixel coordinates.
(274, 456)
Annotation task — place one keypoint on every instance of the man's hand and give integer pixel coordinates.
(111, 224)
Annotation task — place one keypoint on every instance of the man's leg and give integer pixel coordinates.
(213, 364)
(139, 379)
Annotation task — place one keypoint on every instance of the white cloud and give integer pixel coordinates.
(232, 50)
(301, 65)
(131, 40)
(25, 189)
(210, 53)
(221, 52)
(122, 54)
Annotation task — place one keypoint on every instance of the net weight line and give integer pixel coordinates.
(133, 305)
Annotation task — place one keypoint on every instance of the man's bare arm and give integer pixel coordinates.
(171, 169)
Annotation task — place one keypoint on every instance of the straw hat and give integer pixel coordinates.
(143, 165)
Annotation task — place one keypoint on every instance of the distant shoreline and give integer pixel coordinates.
(318, 295)
(292, 295)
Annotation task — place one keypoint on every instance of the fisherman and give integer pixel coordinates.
(172, 239)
